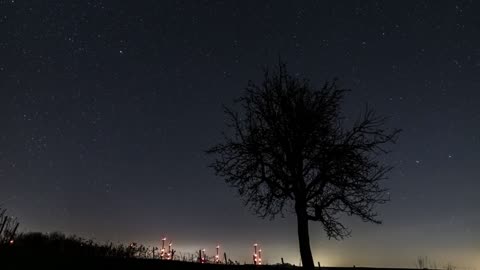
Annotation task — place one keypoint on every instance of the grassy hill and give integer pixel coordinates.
(57, 251)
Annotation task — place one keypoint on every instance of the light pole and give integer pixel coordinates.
(217, 258)
(169, 251)
(162, 253)
(260, 256)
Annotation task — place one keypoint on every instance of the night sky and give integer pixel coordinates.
(106, 108)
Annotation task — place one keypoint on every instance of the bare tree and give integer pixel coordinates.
(288, 149)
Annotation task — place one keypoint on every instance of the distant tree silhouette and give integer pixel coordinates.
(289, 148)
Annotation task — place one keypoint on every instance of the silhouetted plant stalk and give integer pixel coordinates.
(426, 263)
(8, 228)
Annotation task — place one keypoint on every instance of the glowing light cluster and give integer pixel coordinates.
(217, 257)
(257, 255)
(166, 255)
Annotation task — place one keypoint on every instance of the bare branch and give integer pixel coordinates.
(288, 147)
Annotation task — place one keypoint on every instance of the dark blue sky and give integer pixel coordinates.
(106, 108)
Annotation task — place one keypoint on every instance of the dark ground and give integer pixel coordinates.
(58, 251)
(41, 262)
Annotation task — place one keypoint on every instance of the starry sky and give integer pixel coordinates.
(106, 108)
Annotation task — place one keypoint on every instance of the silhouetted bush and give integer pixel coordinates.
(57, 244)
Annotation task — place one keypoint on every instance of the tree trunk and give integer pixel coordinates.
(303, 237)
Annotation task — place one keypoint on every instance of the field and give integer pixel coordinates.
(57, 251)
(36, 262)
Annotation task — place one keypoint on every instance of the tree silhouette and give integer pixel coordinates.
(287, 148)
